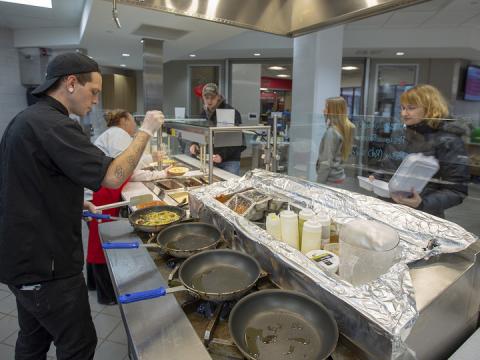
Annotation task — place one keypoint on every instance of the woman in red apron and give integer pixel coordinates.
(98, 277)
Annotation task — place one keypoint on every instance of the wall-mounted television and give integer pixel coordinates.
(472, 83)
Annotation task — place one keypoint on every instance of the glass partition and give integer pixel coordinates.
(433, 166)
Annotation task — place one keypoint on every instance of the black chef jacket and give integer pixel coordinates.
(46, 161)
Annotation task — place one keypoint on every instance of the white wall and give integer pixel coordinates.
(12, 93)
(246, 90)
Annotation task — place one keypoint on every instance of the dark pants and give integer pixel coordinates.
(98, 278)
(60, 312)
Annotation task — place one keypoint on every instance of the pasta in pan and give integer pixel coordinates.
(158, 218)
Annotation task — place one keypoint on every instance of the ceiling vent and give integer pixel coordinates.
(159, 32)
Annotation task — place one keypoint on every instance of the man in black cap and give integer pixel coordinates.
(227, 157)
(46, 161)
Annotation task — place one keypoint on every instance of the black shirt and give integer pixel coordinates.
(228, 153)
(46, 161)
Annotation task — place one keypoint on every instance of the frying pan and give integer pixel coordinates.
(136, 215)
(213, 275)
(180, 240)
(282, 324)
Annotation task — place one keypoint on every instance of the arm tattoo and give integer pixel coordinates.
(119, 173)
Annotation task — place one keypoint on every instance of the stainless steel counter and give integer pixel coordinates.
(156, 328)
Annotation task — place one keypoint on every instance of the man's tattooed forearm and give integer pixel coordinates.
(119, 172)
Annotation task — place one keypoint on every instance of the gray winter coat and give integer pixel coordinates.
(329, 163)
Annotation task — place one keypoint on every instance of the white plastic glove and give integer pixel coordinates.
(154, 119)
(146, 175)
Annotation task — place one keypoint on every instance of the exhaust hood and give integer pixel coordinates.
(281, 17)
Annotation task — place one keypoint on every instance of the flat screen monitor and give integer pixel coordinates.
(472, 84)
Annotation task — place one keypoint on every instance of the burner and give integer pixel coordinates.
(207, 309)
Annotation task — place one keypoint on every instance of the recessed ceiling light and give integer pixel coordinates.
(39, 3)
(283, 75)
(123, 65)
(141, 41)
(126, 54)
(256, 54)
(263, 89)
(277, 68)
(192, 55)
(349, 68)
(400, 53)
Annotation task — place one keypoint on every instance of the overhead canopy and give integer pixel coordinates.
(282, 17)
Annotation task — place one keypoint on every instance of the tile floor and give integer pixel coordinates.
(112, 340)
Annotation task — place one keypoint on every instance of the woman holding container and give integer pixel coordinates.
(429, 130)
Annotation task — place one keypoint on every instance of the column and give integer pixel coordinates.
(317, 70)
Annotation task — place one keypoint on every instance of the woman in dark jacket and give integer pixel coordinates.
(427, 130)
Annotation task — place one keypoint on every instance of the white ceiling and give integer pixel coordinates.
(64, 13)
(438, 28)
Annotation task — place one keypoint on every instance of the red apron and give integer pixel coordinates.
(103, 196)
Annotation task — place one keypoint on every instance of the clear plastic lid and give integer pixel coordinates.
(415, 171)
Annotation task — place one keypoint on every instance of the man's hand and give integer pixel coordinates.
(154, 119)
(194, 149)
(87, 205)
(217, 159)
(413, 202)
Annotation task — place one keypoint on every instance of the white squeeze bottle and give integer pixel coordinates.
(289, 224)
(303, 215)
(312, 235)
(274, 227)
(325, 221)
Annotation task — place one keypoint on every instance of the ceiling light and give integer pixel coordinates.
(400, 53)
(263, 89)
(283, 75)
(123, 65)
(277, 68)
(91, 57)
(125, 54)
(256, 54)
(39, 3)
(141, 41)
(349, 68)
(192, 55)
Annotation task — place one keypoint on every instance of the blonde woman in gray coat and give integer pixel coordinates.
(336, 143)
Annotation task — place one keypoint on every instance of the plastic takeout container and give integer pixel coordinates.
(365, 183)
(415, 171)
(381, 188)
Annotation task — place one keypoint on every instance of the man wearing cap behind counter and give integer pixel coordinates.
(226, 158)
(46, 161)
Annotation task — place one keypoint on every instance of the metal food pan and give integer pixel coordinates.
(239, 204)
(169, 184)
(189, 182)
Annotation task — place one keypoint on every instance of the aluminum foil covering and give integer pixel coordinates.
(377, 316)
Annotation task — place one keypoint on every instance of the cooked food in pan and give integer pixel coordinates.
(177, 170)
(157, 218)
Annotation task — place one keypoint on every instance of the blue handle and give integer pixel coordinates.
(96, 216)
(121, 245)
(142, 295)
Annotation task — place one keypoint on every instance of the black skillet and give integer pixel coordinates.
(281, 324)
(180, 240)
(213, 275)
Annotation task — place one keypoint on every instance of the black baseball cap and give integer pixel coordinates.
(66, 64)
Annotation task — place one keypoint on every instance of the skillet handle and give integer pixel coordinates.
(142, 295)
(121, 245)
(96, 216)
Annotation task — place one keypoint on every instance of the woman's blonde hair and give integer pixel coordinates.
(113, 117)
(336, 108)
(430, 99)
